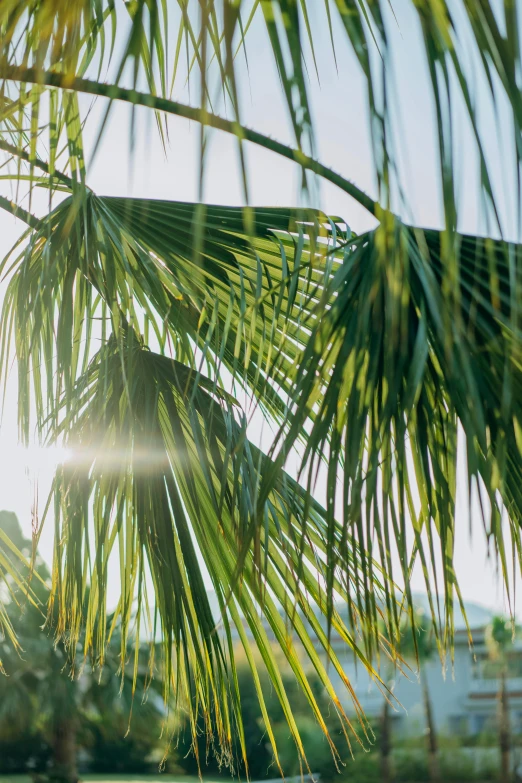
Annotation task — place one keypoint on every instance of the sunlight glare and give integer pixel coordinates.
(37, 459)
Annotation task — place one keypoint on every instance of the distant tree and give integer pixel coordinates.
(499, 640)
(421, 645)
(42, 683)
(385, 743)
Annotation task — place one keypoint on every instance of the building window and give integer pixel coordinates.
(481, 723)
(484, 668)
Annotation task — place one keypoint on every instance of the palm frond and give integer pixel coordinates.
(168, 476)
(409, 353)
(232, 301)
(238, 291)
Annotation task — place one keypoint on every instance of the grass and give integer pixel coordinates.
(117, 778)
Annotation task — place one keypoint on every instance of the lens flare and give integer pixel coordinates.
(37, 459)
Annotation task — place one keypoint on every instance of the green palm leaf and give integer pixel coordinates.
(169, 478)
(413, 349)
(203, 476)
(195, 272)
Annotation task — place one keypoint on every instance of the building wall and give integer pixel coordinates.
(463, 700)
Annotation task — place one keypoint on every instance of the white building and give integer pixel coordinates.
(464, 700)
(464, 697)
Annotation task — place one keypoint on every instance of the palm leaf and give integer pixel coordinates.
(170, 480)
(240, 298)
(108, 250)
(394, 369)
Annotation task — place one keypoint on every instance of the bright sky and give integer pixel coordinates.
(343, 143)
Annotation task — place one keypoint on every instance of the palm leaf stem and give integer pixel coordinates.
(19, 212)
(136, 98)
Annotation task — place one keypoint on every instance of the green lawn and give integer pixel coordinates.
(120, 778)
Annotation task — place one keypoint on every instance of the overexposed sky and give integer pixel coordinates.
(341, 121)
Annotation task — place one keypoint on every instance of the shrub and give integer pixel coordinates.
(364, 768)
(24, 753)
(459, 767)
(410, 767)
(318, 753)
(112, 750)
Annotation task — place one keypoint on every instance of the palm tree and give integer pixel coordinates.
(145, 332)
(419, 642)
(499, 640)
(39, 682)
(385, 742)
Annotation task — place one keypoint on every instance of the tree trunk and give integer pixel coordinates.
(503, 730)
(385, 743)
(64, 752)
(433, 751)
